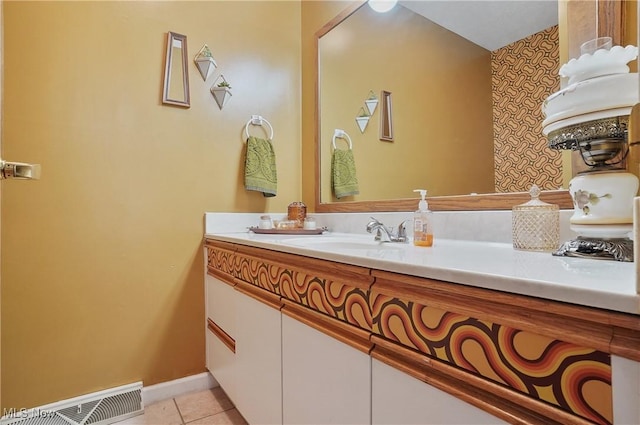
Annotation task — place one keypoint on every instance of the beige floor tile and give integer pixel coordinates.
(228, 417)
(136, 420)
(161, 413)
(203, 403)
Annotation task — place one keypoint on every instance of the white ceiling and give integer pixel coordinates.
(491, 24)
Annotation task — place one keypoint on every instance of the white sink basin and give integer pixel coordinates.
(343, 243)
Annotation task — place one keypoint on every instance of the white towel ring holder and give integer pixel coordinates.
(258, 120)
(341, 134)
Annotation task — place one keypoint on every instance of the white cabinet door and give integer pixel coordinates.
(398, 398)
(324, 381)
(626, 390)
(221, 364)
(258, 362)
(221, 308)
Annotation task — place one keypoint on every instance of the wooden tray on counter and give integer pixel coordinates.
(317, 231)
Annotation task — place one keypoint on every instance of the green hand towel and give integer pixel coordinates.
(343, 173)
(260, 167)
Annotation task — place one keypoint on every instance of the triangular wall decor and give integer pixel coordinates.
(221, 95)
(205, 62)
(205, 66)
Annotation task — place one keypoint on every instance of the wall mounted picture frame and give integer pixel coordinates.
(175, 90)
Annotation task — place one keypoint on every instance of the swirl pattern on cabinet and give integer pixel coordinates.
(523, 75)
(568, 376)
(334, 298)
(260, 274)
(571, 377)
(221, 260)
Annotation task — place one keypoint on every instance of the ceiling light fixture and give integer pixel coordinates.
(382, 6)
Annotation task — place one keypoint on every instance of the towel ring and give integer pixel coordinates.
(341, 134)
(258, 120)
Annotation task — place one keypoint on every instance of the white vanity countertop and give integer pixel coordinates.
(598, 283)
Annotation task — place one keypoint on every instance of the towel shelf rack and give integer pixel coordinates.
(258, 120)
(341, 134)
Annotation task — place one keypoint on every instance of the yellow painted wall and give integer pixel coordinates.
(441, 95)
(102, 268)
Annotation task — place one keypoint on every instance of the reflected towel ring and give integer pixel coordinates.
(341, 134)
(258, 120)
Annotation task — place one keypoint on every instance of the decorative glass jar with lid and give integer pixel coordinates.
(536, 224)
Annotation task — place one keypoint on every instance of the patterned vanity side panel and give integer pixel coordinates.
(249, 269)
(337, 299)
(221, 260)
(566, 375)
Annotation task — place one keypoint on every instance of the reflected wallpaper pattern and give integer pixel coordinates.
(523, 75)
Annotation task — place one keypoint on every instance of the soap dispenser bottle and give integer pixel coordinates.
(422, 222)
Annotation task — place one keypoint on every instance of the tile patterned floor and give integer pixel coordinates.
(208, 407)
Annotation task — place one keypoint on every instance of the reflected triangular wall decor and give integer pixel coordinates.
(371, 105)
(362, 123)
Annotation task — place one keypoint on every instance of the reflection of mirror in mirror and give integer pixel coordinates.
(176, 91)
(444, 101)
(386, 121)
(176, 78)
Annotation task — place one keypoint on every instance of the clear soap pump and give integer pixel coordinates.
(422, 222)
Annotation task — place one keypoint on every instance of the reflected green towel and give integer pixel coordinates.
(343, 173)
(260, 167)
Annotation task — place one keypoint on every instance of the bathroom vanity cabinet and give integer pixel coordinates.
(244, 349)
(321, 341)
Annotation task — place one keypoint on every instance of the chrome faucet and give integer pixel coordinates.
(385, 234)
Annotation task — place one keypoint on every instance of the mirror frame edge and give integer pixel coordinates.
(479, 202)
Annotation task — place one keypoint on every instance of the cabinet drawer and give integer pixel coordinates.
(221, 304)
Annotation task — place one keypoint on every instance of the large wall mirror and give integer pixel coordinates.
(462, 130)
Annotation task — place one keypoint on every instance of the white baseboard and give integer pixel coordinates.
(177, 387)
